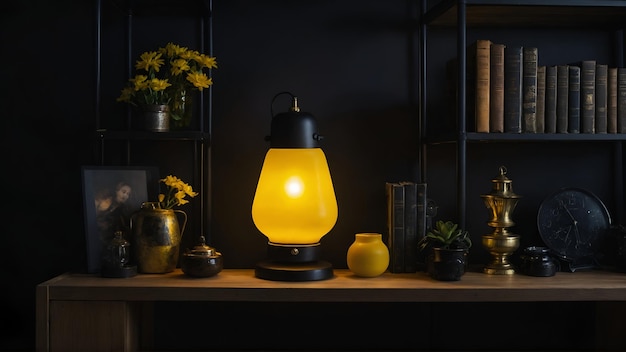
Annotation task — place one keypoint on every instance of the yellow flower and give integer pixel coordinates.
(140, 82)
(180, 197)
(158, 84)
(188, 54)
(176, 192)
(172, 50)
(206, 61)
(126, 95)
(162, 75)
(179, 66)
(150, 60)
(199, 80)
(188, 190)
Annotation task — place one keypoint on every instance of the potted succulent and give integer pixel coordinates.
(445, 248)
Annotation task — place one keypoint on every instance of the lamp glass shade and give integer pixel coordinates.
(295, 200)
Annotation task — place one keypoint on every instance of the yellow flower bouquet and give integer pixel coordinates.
(176, 192)
(165, 74)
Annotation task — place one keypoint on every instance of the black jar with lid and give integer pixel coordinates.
(536, 261)
(202, 261)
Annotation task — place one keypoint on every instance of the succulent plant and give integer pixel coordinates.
(447, 235)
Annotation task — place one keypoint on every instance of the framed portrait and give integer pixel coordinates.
(111, 195)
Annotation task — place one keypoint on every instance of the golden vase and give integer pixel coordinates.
(157, 236)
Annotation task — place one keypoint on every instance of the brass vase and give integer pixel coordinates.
(157, 236)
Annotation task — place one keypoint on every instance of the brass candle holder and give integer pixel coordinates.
(501, 243)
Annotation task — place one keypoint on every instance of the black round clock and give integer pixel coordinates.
(572, 222)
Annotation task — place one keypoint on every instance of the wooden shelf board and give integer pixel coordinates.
(241, 285)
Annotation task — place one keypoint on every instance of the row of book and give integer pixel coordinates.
(508, 91)
(406, 224)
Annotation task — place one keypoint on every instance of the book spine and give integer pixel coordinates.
(602, 74)
(562, 95)
(410, 227)
(529, 87)
(422, 223)
(496, 91)
(621, 100)
(541, 99)
(611, 116)
(513, 89)
(550, 120)
(588, 96)
(573, 98)
(395, 226)
(481, 53)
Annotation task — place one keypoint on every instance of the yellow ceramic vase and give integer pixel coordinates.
(368, 256)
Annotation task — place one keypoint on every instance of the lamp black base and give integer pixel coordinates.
(308, 271)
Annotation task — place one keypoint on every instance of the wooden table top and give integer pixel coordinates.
(241, 285)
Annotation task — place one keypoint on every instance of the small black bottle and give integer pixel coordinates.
(116, 258)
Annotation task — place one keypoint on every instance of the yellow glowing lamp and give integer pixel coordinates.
(295, 200)
(294, 204)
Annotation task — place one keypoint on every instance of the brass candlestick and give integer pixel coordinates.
(501, 243)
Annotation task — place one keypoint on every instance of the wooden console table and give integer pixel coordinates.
(79, 312)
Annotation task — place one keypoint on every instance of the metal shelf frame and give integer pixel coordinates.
(201, 138)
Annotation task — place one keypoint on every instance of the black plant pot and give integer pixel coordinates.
(446, 264)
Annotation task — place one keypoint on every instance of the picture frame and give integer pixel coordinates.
(105, 212)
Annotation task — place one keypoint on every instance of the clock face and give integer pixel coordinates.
(572, 221)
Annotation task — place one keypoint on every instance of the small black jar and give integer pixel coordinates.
(536, 261)
(202, 261)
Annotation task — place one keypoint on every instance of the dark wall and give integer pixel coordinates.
(47, 73)
(353, 65)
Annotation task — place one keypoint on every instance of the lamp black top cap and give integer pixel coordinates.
(294, 129)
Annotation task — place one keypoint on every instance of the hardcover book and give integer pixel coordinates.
(513, 89)
(529, 87)
(496, 91)
(410, 227)
(541, 99)
(573, 98)
(602, 74)
(588, 96)
(550, 120)
(621, 100)
(562, 95)
(611, 118)
(478, 74)
(395, 225)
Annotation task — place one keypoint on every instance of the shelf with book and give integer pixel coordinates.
(496, 16)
